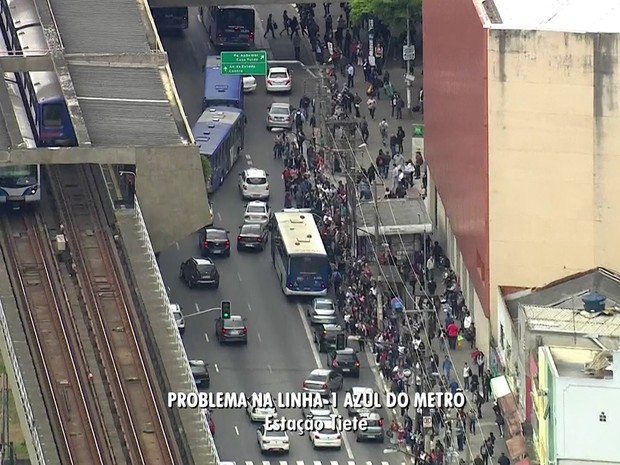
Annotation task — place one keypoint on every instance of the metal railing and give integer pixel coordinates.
(22, 394)
(161, 288)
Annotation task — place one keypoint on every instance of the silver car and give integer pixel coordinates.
(322, 311)
(178, 317)
(374, 430)
(257, 212)
(279, 115)
(323, 381)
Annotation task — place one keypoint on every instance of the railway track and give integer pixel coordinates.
(53, 340)
(138, 404)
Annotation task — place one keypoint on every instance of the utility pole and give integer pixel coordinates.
(409, 75)
(377, 240)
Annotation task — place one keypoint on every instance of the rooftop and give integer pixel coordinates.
(396, 216)
(584, 16)
(299, 232)
(568, 320)
(576, 362)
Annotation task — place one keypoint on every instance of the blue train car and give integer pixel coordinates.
(219, 132)
(44, 95)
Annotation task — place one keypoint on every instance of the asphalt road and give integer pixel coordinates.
(280, 352)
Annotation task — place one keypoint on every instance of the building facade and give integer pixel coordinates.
(521, 113)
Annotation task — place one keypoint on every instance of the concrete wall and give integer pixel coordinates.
(172, 193)
(455, 127)
(553, 154)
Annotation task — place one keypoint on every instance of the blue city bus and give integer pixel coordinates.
(219, 133)
(298, 254)
(229, 28)
(221, 90)
(170, 18)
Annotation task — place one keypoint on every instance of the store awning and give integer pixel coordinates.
(500, 387)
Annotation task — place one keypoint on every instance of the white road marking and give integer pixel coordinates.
(265, 462)
(333, 462)
(385, 463)
(239, 276)
(259, 339)
(300, 462)
(176, 244)
(237, 430)
(217, 369)
(368, 463)
(351, 462)
(283, 462)
(219, 217)
(269, 368)
(319, 364)
(248, 156)
(197, 307)
(249, 307)
(207, 337)
(249, 463)
(316, 462)
(249, 162)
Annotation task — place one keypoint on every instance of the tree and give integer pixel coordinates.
(393, 13)
(206, 170)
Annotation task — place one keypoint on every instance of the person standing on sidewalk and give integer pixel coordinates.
(371, 103)
(503, 460)
(400, 136)
(453, 332)
(447, 367)
(499, 420)
(466, 376)
(350, 75)
(297, 47)
(383, 130)
(357, 101)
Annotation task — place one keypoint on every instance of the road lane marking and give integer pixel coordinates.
(319, 364)
(249, 463)
(368, 463)
(249, 307)
(237, 430)
(265, 462)
(269, 368)
(248, 156)
(176, 244)
(351, 462)
(385, 463)
(259, 339)
(300, 462)
(283, 462)
(217, 369)
(197, 307)
(333, 462)
(219, 217)
(207, 337)
(249, 162)
(239, 276)
(316, 462)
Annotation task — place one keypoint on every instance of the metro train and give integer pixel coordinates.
(51, 115)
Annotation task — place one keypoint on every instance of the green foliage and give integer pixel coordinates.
(392, 12)
(206, 170)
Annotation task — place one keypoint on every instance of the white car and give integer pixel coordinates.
(260, 414)
(257, 213)
(318, 412)
(328, 437)
(253, 184)
(272, 441)
(249, 83)
(178, 317)
(278, 79)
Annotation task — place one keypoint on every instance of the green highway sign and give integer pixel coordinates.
(418, 130)
(252, 62)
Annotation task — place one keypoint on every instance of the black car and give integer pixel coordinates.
(344, 361)
(325, 336)
(214, 241)
(231, 329)
(252, 236)
(199, 272)
(200, 372)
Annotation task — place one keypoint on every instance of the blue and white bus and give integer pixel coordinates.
(168, 19)
(298, 254)
(221, 90)
(220, 133)
(229, 27)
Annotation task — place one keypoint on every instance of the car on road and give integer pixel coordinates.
(325, 336)
(257, 212)
(322, 311)
(199, 272)
(252, 236)
(374, 430)
(318, 412)
(253, 184)
(249, 83)
(279, 115)
(256, 413)
(358, 392)
(328, 437)
(209, 417)
(200, 373)
(344, 361)
(278, 79)
(323, 381)
(214, 241)
(272, 441)
(177, 314)
(231, 329)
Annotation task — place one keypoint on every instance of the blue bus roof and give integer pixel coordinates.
(213, 126)
(219, 86)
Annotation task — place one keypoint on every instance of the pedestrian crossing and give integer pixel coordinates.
(319, 462)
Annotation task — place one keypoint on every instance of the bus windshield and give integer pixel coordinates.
(308, 264)
(18, 176)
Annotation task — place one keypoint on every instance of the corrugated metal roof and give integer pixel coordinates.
(124, 106)
(95, 26)
(569, 320)
(559, 15)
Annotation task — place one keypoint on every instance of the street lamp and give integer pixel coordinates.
(201, 312)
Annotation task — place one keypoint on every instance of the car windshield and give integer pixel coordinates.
(278, 75)
(251, 229)
(280, 111)
(205, 268)
(347, 358)
(216, 234)
(256, 181)
(317, 378)
(274, 434)
(256, 209)
(327, 429)
(233, 323)
(324, 306)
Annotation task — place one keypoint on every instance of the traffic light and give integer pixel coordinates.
(340, 341)
(225, 307)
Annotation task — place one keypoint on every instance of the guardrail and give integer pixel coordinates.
(144, 236)
(21, 389)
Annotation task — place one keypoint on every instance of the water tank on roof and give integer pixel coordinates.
(594, 302)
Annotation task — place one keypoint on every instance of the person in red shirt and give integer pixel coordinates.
(453, 332)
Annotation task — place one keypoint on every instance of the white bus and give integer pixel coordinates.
(298, 254)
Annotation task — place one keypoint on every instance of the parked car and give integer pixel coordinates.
(200, 373)
(177, 314)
